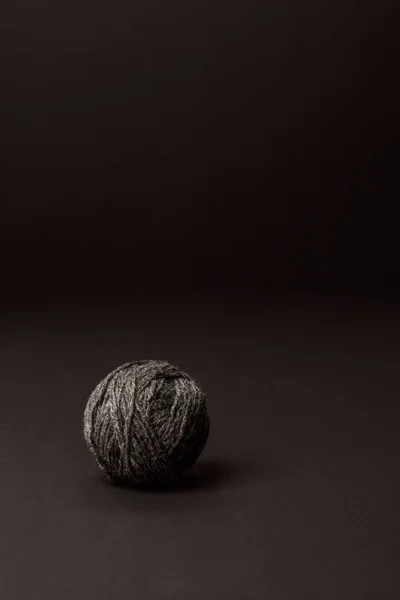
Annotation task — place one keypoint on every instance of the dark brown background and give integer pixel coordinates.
(146, 142)
(215, 185)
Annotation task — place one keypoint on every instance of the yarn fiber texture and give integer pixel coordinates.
(146, 423)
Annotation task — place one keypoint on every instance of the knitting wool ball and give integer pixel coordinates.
(146, 423)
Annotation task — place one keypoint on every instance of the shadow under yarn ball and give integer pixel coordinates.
(146, 423)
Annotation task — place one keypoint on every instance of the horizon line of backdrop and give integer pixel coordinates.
(193, 145)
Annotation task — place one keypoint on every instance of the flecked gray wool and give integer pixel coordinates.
(146, 423)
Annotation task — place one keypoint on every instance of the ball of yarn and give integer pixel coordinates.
(146, 423)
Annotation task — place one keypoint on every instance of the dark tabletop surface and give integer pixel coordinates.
(295, 496)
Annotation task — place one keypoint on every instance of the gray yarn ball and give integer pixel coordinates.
(146, 423)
